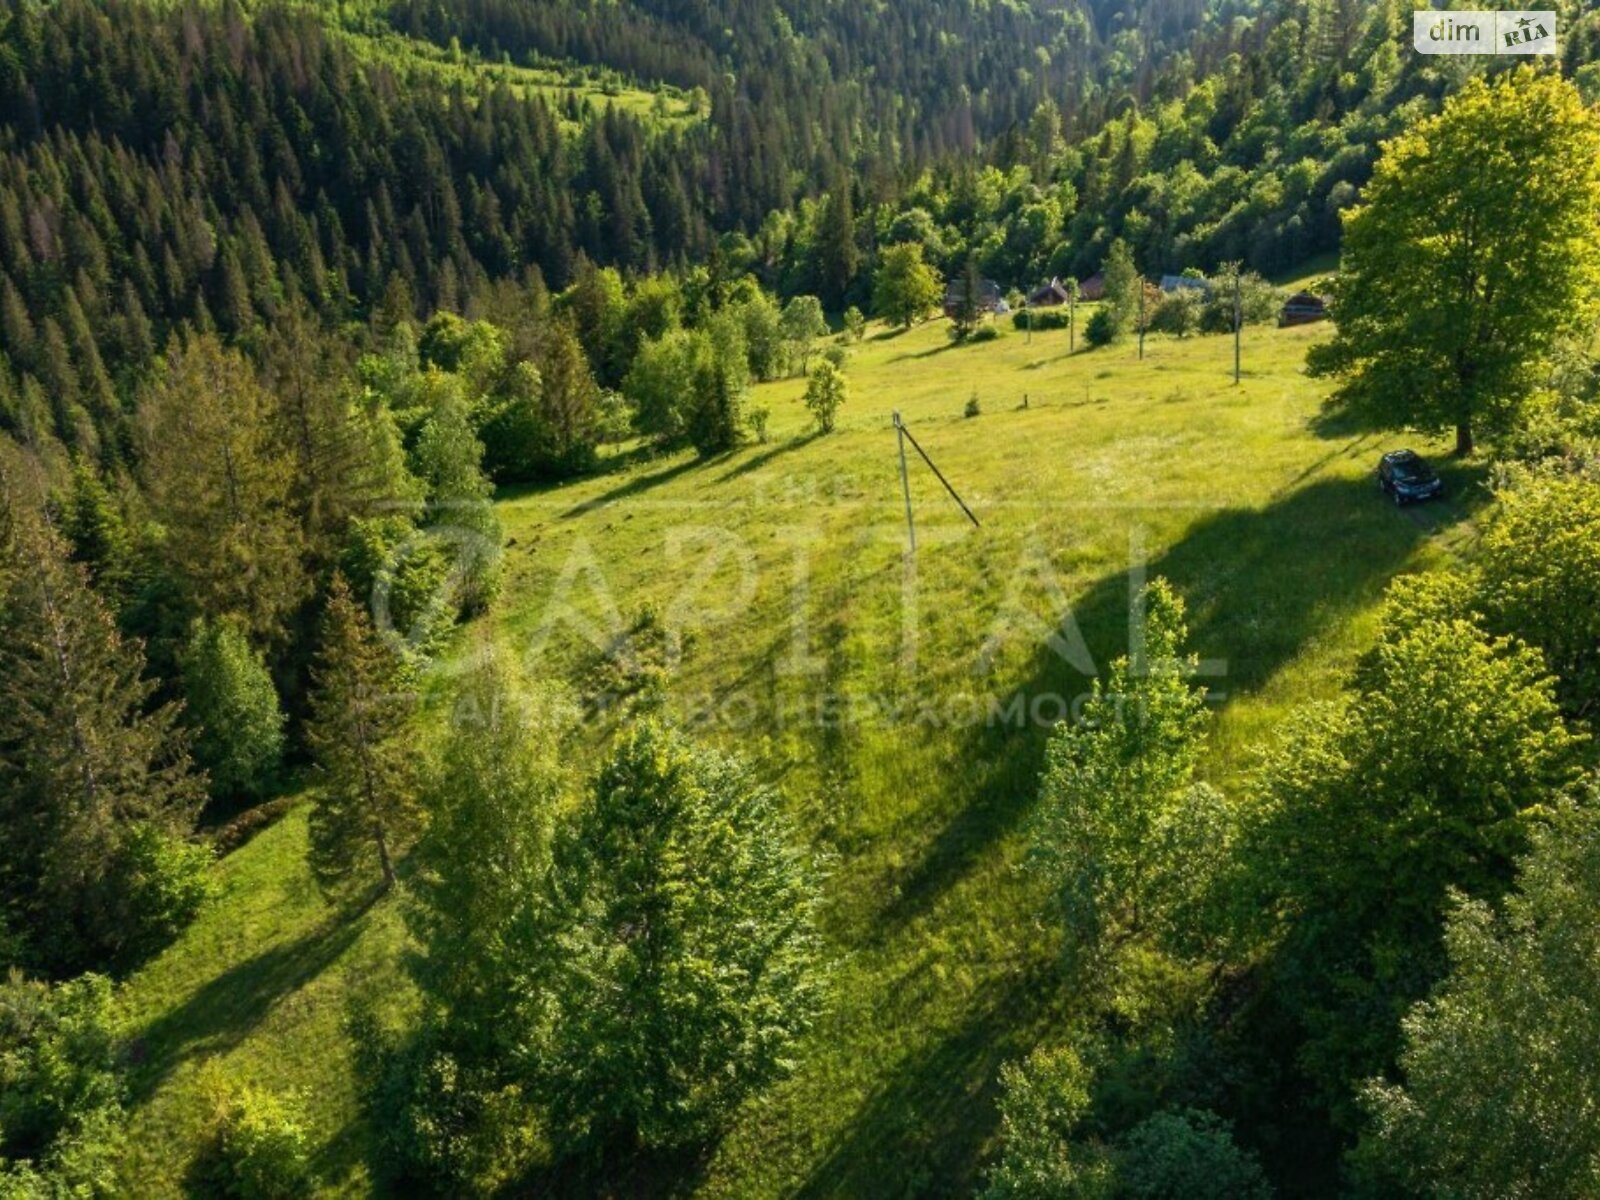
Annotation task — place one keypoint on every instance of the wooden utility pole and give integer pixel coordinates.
(1141, 318)
(1238, 323)
(904, 436)
(905, 480)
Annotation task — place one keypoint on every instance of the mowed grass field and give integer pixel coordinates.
(900, 705)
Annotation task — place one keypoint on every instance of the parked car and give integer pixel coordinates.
(1406, 477)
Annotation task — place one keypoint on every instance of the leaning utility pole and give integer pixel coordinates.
(905, 480)
(904, 436)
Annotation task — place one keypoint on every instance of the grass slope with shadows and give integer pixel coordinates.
(787, 560)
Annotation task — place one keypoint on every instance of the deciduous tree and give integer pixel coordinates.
(1476, 248)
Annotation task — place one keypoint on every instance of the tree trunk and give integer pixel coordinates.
(1463, 439)
(383, 857)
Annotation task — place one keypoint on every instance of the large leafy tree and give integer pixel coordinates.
(1502, 1064)
(1538, 577)
(468, 1083)
(905, 287)
(365, 805)
(1450, 751)
(449, 460)
(94, 780)
(482, 891)
(1475, 250)
(692, 961)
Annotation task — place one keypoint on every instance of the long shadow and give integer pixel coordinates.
(756, 461)
(925, 1131)
(635, 485)
(1258, 585)
(224, 1011)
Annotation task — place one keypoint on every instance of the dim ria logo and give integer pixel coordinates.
(1519, 32)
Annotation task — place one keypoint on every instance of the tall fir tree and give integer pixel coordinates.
(365, 805)
(86, 762)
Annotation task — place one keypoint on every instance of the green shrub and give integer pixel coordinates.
(158, 883)
(1101, 328)
(257, 1151)
(758, 417)
(1044, 320)
(826, 393)
(974, 406)
(1178, 313)
(60, 1097)
(984, 333)
(1186, 1154)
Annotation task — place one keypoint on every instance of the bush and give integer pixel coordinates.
(757, 419)
(257, 1150)
(60, 1098)
(1259, 303)
(974, 407)
(446, 1128)
(1044, 320)
(825, 394)
(402, 571)
(1043, 1100)
(1101, 328)
(158, 883)
(1178, 313)
(1188, 1154)
(984, 333)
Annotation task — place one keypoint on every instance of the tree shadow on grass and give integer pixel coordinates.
(223, 1012)
(756, 461)
(925, 1132)
(634, 485)
(1259, 585)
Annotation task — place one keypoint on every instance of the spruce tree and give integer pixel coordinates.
(86, 762)
(365, 805)
(692, 958)
(233, 708)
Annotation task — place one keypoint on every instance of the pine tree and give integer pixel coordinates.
(85, 760)
(366, 803)
(449, 460)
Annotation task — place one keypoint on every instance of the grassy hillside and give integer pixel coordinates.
(789, 557)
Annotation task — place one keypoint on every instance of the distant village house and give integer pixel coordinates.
(988, 299)
(1303, 308)
(1093, 288)
(1051, 295)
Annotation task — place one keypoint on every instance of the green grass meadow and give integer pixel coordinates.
(864, 685)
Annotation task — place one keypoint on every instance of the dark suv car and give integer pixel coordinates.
(1406, 477)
